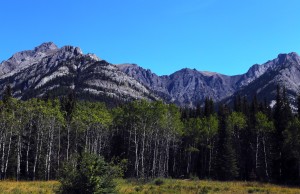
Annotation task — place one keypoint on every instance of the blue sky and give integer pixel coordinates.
(226, 36)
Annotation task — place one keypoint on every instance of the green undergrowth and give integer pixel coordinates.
(156, 186)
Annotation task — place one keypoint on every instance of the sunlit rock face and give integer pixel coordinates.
(49, 69)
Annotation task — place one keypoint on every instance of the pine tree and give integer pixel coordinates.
(282, 116)
(226, 168)
(7, 94)
(237, 103)
(208, 107)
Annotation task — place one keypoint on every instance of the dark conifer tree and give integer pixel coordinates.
(238, 103)
(246, 148)
(7, 94)
(208, 107)
(226, 167)
(198, 111)
(68, 104)
(282, 114)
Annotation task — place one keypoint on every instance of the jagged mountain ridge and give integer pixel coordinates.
(189, 87)
(186, 87)
(49, 69)
(282, 71)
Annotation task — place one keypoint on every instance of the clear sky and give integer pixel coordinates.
(225, 36)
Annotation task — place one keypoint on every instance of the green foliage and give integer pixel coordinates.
(263, 123)
(236, 120)
(88, 174)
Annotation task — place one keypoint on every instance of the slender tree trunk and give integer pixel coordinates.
(36, 155)
(8, 153)
(154, 154)
(3, 155)
(256, 152)
(174, 157)
(58, 151)
(143, 151)
(50, 150)
(19, 157)
(27, 154)
(136, 153)
(46, 158)
(167, 158)
(188, 164)
(266, 162)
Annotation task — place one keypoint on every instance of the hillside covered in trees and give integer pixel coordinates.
(250, 141)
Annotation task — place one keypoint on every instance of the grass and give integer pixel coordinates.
(156, 186)
(32, 187)
(200, 187)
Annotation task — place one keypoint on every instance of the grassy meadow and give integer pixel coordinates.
(33, 187)
(155, 187)
(199, 187)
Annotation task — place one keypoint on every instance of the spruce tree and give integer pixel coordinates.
(226, 168)
(237, 103)
(282, 116)
(208, 107)
(7, 94)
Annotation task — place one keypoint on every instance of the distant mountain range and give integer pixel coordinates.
(48, 69)
(188, 87)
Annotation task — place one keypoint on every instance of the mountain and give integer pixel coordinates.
(48, 69)
(188, 87)
(282, 71)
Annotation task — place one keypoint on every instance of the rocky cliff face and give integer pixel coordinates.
(49, 69)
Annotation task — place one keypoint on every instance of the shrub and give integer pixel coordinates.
(87, 174)
(158, 181)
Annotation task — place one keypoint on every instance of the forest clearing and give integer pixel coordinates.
(156, 186)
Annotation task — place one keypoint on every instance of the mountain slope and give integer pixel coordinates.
(49, 69)
(188, 87)
(185, 87)
(283, 71)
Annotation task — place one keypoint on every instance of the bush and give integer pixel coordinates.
(158, 181)
(194, 177)
(87, 174)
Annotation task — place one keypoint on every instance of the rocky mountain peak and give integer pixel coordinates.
(93, 56)
(283, 58)
(75, 50)
(44, 47)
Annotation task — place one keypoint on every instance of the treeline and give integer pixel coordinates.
(250, 141)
